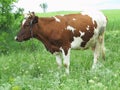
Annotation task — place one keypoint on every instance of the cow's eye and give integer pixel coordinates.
(27, 24)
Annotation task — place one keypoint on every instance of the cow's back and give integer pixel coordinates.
(78, 30)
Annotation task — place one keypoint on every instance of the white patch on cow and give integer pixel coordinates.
(87, 28)
(23, 22)
(82, 33)
(66, 59)
(57, 19)
(96, 16)
(15, 37)
(26, 15)
(70, 28)
(76, 43)
(58, 59)
(73, 19)
(62, 15)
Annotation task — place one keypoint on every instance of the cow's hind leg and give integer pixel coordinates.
(99, 49)
(95, 49)
(101, 41)
(102, 48)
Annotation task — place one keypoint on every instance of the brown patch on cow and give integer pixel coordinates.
(88, 33)
(76, 33)
(95, 24)
(80, 24)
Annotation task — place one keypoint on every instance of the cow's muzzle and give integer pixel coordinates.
(17, 39)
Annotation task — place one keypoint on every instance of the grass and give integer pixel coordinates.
(31, 67)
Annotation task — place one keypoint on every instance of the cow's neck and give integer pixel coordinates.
(43, 40)
(51, 48)
(43, 37)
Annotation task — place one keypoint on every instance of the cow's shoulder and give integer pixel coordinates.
(46, 19)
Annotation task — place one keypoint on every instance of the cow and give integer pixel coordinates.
(61, 33)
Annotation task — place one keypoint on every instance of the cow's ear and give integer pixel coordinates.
(35, 20)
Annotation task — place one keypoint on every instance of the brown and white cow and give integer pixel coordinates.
(60, 34)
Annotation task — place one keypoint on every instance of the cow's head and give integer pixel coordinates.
(26, 32)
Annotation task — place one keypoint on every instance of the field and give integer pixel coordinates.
(31, 67)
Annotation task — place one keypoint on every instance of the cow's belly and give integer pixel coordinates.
(76, 44)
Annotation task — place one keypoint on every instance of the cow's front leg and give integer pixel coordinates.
(66, 59)
(58, 59)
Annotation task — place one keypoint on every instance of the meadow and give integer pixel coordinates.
(28, 66)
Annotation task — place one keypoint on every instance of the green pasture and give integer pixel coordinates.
(28, 66)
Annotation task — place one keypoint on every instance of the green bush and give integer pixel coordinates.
(9, 22)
